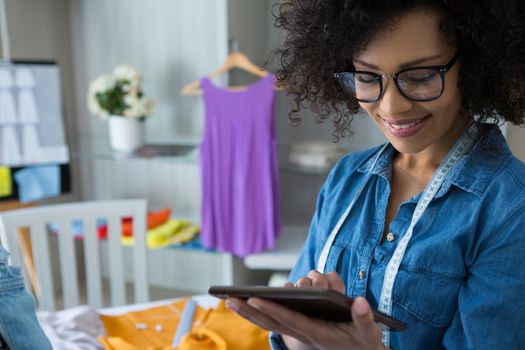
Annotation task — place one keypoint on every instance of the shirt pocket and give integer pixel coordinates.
(430, 297)
(341, 259)
(333, 261)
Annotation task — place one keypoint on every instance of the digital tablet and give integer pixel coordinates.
(321, 303)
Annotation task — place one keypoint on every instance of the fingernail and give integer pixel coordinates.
(253, 304)
(360, 307)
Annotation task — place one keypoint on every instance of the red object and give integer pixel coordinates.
(154, 219)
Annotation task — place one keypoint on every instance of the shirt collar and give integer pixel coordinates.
(476, 170)
(383, 166)
(472, 173)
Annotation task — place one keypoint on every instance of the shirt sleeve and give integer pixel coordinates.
(306, 261)
(491, 302)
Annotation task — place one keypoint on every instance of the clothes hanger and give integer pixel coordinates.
(234, 60)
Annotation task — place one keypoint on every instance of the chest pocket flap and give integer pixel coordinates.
(430, 297)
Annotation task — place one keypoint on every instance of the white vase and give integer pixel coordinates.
(125, 134)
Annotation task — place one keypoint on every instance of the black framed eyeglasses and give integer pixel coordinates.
(419, 84)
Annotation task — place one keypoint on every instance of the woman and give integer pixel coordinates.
(429, 227)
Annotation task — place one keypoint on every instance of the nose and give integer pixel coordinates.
(392, 101)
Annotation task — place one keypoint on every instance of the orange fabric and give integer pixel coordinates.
(238, 333)
(158, 218)
(127, 227)
(116, 343)
(213, 329)
(125, 326)
(202, 338)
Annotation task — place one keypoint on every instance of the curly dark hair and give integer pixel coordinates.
(322, 36)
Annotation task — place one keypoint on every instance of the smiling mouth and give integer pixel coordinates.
(405, 124)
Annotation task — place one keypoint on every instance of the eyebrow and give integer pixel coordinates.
(404, 65)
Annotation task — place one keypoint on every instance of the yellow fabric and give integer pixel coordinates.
(213, 329)
(116, 343)
(122, 331)
(238, 333)
(202, 338)
(6, 185)
(173, 231)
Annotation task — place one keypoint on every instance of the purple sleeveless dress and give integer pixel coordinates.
(240, 169)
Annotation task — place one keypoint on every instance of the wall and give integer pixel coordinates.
(516, 137)
(247, 22)
(172, 43)
(41, 30)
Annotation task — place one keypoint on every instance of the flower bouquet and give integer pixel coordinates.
(119, 94)
(118, 97)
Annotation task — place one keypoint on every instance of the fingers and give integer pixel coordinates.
(335, 282)
(363, 320)
(318, 279)
(314, 278)
(303, 282)
(298, 326)
(252, 313)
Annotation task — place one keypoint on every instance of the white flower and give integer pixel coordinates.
(102, 83)
(129, 73)
(126, 82)
(130, 99)
(141, 107)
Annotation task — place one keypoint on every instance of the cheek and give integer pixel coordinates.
(447, 104)
(368, 108)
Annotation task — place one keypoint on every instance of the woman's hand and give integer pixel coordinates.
(362, 333)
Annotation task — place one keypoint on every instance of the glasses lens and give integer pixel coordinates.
(420, 84)
(364, 86)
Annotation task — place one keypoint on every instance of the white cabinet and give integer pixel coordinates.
(190, 270)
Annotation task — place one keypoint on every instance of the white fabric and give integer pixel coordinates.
(316, 154)
(76, 328)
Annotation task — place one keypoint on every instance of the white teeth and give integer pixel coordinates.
(405, 126)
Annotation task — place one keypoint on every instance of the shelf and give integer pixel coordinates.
(93, 148)
(288, 167)
(185, 151)
(285, 254)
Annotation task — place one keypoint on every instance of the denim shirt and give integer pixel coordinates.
(461, 284)
(18, 323)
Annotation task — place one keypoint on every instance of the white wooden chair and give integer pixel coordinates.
(37, 220)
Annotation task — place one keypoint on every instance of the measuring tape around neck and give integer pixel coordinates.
(321, 263)
(461, 147)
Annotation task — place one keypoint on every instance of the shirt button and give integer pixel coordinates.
(361, 275)
(390, 237)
